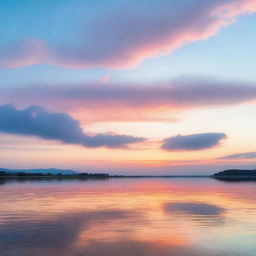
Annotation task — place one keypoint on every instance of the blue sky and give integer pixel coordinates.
(198, 59)
(59, 54)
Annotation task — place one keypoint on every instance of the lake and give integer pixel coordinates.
(128, 217)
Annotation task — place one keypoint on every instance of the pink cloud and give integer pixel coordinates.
(130, 32)
(104, 79)
(130, 102)
(25, 52)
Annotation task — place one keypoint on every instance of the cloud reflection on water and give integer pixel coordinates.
(195, 208)
(127, 217)
(56, 235)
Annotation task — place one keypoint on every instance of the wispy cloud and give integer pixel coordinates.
(127, 32)
(247, 155)
(152, 101)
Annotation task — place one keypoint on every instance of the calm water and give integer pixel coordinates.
(128, 217)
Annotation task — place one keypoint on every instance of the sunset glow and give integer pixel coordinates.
(168, 89)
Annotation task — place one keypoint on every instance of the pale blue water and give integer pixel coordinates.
(135, 217)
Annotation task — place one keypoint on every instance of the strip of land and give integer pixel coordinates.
(227, 175)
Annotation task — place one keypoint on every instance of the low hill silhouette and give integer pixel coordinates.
(236, 174)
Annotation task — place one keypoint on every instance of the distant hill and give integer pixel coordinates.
(236, 174)
(43, 171)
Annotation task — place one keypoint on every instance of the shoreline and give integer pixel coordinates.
(44, 177)
(99, 177)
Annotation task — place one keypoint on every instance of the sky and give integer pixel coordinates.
(128, 87)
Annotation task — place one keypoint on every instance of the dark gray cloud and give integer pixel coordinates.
(36, 121)
(193, 142)
(247, 155)
(194, 208)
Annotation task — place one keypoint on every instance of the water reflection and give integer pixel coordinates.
(203, 214)
(56, 234)
(195, 209)
(128, 217)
